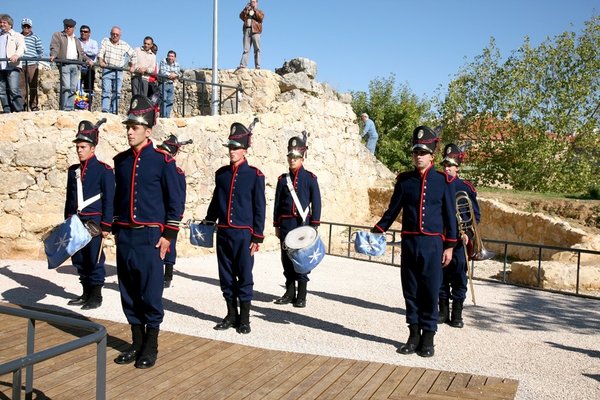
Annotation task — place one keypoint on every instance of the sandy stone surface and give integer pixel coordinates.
(550, 343)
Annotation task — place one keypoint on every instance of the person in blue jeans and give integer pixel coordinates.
(370, 132)
(12, 46)
(169, 72)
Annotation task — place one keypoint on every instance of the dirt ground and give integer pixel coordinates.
(582, 213)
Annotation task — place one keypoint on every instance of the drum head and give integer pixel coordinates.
(300, 237)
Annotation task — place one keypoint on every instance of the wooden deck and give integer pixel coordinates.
(195, 368)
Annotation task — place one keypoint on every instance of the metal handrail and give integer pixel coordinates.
(16, 366)
(238, 89)
(505, 243)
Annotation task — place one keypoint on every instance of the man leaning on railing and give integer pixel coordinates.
(169, 72)
(114, 55)
(65, 46)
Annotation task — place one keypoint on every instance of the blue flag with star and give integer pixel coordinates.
(65, 240)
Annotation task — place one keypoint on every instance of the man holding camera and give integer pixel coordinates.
(252, 28)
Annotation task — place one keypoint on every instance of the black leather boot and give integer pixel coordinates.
(289, 295)
(231, 320)
(168, 275)
(80, 300)
(95, 298)
(413, 342)
(444, 315)
(244, 318)
(131, 354)
(457, 321)
(149, 353)
(426, 349)
(301, 299)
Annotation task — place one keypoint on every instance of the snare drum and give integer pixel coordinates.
(305, 248)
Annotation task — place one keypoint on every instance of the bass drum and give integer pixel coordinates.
(305, 248)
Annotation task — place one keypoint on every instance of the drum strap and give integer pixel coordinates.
(303, 211)
(81, 204)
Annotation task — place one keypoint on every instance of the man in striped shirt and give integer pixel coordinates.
(33, 48)
(116, 53)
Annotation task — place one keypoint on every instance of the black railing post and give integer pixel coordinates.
(539, 271)
(26, 97)
(578, 271)
(30, 351)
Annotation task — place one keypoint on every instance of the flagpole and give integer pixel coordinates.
(215, 78)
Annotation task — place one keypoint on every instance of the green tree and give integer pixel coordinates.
(396, 111)
(533, 118)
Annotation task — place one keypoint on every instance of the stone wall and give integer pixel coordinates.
(36, 149)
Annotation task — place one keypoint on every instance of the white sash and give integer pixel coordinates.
(81, 204)
(303, 211)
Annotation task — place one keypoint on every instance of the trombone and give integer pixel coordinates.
(467, 224)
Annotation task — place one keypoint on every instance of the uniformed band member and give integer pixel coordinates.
(172, 146)
(454, 284)
(286, 215)
(426, 198)
(98, 189)
(149, 205)
(238, 206)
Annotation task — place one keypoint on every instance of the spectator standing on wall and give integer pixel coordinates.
(65, 46)
(145, 65)
(252, 28)
(169, 71)
(91, 49)
(12, 46)
(33, 49)
(114, 52)
(369, 132)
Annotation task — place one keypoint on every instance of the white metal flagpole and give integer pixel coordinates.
(215, 71)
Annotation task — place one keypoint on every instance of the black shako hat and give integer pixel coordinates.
(297, 146)
(172, 145)
(453, 155)
(142, 111)
(88, 132)
(239, 137)
(424, 138)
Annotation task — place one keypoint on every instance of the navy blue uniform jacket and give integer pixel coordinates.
(149, 190)
(466, 186)
(428, 205)
(307, 189)
(96, 177)
(238, 201)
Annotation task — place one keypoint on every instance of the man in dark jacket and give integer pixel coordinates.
(90, 193)
(288, 215)
(238, 206)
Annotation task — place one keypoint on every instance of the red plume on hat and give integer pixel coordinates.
(240, 136)
(87, 132)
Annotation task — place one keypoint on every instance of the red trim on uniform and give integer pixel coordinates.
(470, 185)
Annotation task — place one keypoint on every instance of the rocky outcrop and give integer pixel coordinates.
(36, 149)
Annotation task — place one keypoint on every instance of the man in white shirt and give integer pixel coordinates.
(12, 46)
(146, 64)
(65, 47)
(91, 49)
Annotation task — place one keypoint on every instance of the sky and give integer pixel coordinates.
(424, 43)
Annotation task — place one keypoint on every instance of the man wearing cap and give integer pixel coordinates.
(149, 205)
(90, 193)
(171, 146)
(289, 215)
(426, 198)
(12, 46)
(33, 49)
(238, 206)
(454, 283)
(65, 46)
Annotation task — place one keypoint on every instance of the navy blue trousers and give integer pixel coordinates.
(235, 264)
(454, 283)
(89, 262)
(421, 273)
(141, 276)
